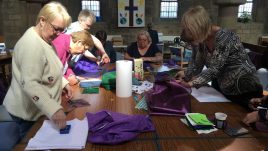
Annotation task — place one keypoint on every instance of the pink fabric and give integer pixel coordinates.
(62, 46)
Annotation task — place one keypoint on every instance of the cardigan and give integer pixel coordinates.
(37, 80)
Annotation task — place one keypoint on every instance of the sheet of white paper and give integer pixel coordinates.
(145, 86)
(208, 94)
(48, 137)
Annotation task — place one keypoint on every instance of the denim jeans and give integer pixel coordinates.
(23, 125)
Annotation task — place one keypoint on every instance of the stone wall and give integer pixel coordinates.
(250, 32)
(18, 15)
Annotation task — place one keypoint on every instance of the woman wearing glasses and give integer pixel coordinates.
(37, 82)
(68, 45)
(221, 51)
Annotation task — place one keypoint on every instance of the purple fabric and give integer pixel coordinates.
(106, 127)
(262, 126)
(87, 68)
(168, 98)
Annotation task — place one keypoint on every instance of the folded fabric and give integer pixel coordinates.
(87, 68)
(109, 80)
(106, 127)
(90, 90)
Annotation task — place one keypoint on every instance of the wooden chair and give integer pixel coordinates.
(179, 55)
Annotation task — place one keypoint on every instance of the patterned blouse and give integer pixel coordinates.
(229, 64)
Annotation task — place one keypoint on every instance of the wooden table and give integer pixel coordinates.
(171, 134)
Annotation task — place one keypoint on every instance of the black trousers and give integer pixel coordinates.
(241, 99)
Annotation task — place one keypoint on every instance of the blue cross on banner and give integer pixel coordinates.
(131, 13)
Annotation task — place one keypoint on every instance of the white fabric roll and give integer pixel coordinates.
(123, 78)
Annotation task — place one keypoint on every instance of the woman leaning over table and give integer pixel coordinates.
(73, 44)
(221, 51)
(37, 81)
(144, 48)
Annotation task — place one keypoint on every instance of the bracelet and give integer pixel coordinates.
(262, 114)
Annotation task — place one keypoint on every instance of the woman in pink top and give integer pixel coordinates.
(68, 45)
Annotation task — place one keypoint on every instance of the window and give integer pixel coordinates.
(169, 9)
(245, 8)
(93, 5)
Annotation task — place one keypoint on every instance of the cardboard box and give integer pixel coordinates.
(117, 41)
(138, 69)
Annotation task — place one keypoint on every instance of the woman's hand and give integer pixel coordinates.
(59, 119)
(73, 80)
(254, 103)
(184, 83)
(179, 75)
(68, 92)
(251, 118)
(105, 58)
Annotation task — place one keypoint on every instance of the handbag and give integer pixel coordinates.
(168, 98)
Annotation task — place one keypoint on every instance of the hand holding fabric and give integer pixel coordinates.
(68, 92)
(180, 75)
(105, 58)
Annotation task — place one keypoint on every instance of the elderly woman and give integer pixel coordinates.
(144, 48)
(37, 81)
(68, 45)
(221, 51)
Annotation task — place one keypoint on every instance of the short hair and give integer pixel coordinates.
(84, 36)
(101, 35)
(197, 20)
(85, 13)
(143, 32)
(50, 12)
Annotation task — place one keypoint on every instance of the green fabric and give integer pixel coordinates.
(135, 81)
(109, 87)
(173, 72)
(109, 80)
(91, 90)
(200, 119)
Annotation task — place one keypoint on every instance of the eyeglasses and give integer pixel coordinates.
(57, 29)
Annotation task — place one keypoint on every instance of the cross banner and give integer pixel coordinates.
(131, 13)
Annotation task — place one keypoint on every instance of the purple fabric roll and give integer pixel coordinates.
(106, 127)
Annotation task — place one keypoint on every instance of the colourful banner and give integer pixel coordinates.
(131, 13)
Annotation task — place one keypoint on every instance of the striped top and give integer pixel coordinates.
(229, 64)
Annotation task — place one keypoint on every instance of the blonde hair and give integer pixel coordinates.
(145, 33)
(84, 36)
(85, 13)
(197, 20)
(51, 10)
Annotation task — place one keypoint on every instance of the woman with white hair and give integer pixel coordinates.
(144, 48)
(37, 81)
